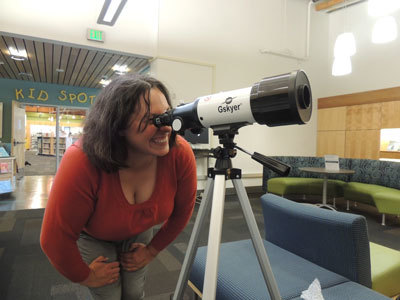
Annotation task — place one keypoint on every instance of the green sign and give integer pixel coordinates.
(95, 35)
(38, 93)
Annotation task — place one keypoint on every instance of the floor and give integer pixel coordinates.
(31, 192)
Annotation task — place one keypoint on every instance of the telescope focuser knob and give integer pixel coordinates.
(177, 124)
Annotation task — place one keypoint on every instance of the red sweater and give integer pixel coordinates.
(84, 198)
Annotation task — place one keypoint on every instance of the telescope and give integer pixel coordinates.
(274, 101)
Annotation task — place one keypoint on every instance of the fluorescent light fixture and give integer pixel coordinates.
(379, 8)
(120, 70)
(104, 82)
(17, 54)
(110, 11)
(385, 30)
(345, 45)
(341, 66)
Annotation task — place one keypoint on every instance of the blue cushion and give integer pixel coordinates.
(240, 276)
(334, 240)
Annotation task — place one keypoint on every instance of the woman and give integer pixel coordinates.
(123, 177)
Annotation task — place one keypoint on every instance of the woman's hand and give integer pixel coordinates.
(102, 272)
(138, 256)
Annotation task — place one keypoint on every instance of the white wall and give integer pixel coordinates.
(68, 20)
(374, 66)
(230, 34)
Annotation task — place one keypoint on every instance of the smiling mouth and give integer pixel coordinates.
(161, 140)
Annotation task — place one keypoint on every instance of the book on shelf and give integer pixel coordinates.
(4, 167)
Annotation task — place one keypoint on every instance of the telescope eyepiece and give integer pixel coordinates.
(164, 119)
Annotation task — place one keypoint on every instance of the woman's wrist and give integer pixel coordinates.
(153, 251)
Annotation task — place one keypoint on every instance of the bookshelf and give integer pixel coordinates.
(47, 145)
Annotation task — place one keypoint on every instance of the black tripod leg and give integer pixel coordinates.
(257, 241)
(204, 209)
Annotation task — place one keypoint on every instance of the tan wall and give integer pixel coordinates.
(353, 130)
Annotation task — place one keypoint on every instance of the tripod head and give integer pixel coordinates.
(226, 134)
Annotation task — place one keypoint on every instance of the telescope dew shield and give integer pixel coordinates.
(282, 100)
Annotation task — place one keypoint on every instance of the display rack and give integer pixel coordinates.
(47, 145)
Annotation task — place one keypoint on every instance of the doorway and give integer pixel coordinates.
(49, 132)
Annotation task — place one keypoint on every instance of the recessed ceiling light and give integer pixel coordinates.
(104, 82)
(59, 70)
(17, 54)
(25, 74)
(110, 11)
(120, 70)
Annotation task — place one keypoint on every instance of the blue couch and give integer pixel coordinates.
(303, 243)
(374, 182)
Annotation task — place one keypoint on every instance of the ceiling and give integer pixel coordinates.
(82, 66)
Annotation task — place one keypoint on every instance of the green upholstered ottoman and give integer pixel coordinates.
(385, 270)
(362, 192)
(388, 201)
(304, 186)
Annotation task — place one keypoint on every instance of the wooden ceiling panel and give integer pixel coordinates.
(56, 62)
(78, 65)
(48, 56)
(98, 62)
(8, 61)
(30, 48)
(41, 62)
(65, 51)
(83, 66)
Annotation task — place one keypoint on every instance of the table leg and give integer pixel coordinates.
(324, 190)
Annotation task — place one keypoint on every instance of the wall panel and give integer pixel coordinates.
(331, 142)
(391, 114)
(361, 117)
(332, 119)
(362, 144)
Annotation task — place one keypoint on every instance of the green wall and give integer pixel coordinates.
(34, 93)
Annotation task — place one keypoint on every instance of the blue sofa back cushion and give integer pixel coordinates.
(343, 237)
(366, 171)
(390, 174)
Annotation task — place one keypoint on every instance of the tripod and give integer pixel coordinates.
(215, 191)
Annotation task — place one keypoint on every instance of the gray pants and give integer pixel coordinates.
(130, 285)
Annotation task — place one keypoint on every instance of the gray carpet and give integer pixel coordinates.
(39, 164)
(26, 274)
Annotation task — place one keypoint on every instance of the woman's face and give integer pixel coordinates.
(151, 140)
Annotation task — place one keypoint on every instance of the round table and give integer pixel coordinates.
(326, 173)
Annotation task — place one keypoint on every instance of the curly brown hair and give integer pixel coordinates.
(111, 113)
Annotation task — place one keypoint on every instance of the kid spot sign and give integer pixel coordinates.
(41, 95)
